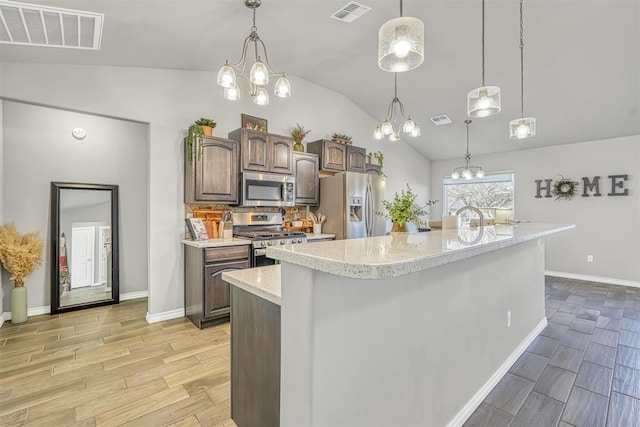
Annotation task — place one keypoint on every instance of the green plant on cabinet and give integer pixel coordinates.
(194, 137)
(298, 134)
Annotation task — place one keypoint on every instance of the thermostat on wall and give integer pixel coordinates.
(79, 133)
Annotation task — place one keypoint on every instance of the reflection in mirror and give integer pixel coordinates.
(84, 246)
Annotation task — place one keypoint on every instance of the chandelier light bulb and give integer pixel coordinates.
(480, 174)
(394, 137)
(401, 47)
(226, 76)
(259, 75)
(455, 175)
(387, 128)
(466, 174)
(283, 87)
(416, 131)
(232, 93)
(522, 128)
(262, 97)
(408, 126)
(377, 133)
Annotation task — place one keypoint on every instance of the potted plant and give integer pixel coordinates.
(298, 134)
(404, 209)
(380, 158)
(200, 128)
(20, 255)
(341, 138)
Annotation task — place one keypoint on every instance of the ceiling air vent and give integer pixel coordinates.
(441, 120)
(34, 25)
(350, 12)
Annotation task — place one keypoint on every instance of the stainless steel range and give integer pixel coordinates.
(264, 229)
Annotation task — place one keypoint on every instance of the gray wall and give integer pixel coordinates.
(606, 227)
(1, 193)
(170, 100)
(39, 148)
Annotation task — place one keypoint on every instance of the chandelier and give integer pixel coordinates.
(485, 100)
(387, 127)
(259, 73)
(401, 44)
(524, 127)
(467, 171)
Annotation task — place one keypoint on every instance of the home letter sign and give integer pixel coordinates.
(546, 187)
(618, 184)
(588, 186)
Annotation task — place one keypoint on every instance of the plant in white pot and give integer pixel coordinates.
(20, 254)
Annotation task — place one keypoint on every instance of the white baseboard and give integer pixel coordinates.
(608, 280)
(166, 315)
(35, 311)
(468, 409)
(134, 295)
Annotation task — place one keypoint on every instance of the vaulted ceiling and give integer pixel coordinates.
(582, 59)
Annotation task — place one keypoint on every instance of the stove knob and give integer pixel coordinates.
(263, 244)
(282, 242)
(270, 243)
(299, 240)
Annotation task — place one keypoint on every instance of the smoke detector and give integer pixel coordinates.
(350, 12)
(34, 25)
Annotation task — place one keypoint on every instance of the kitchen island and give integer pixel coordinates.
(408, 329)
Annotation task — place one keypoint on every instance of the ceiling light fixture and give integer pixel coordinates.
(467, 171)
(387, 128)
(401, 44)
(524, 127)
(259, 73)
(485, 100)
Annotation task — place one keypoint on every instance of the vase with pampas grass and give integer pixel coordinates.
(20, 254)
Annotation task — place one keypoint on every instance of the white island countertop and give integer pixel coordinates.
(399, 254)
(216, 243)
(261, 281)
(322, 236)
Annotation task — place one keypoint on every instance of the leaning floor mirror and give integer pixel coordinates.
(84, 246)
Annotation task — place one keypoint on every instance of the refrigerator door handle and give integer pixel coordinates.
(369, 208)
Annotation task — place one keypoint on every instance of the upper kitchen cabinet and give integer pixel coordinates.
(356, 159)
(333, 156)
(263, 152)
(305, 166)
(212, 176)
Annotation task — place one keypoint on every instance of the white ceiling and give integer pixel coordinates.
(582, 59)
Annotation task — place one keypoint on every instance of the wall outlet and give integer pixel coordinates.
(589, 258)
(508, 318)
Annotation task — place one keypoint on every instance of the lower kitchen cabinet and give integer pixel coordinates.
(206, 294)
(305, 169)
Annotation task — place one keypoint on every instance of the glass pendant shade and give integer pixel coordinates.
(226, 76)
(394, 137)
(401, 44)
(416, 131)
(483, 101)
(387, 128)
(377, 133)
(262, 97)
(522, 128)
(408, 126)
(232, 93)
(259, 75)
(479, 173)
(455, 175)
(283, 88)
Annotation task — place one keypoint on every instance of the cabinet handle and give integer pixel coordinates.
(219, 272)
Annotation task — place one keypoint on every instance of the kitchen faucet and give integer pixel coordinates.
(472, 208)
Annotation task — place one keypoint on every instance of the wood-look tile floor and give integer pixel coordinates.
(106, 366)
(582, 370)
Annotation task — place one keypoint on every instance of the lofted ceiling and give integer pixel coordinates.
(582, 59)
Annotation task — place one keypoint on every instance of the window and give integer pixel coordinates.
(493, 195)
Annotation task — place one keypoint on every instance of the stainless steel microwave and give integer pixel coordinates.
(267, 189)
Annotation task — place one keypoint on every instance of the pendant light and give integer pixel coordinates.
(258, 75)
(468, 171)
(485, 100)
(401, 44)
(524, 127)
(388, 128)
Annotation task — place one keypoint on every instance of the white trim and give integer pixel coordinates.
(1, 319)
(167, 315)
(134, 295)
(468, 409)
(34, 311)
(587, 278)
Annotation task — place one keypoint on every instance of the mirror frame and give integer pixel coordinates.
(54, 228)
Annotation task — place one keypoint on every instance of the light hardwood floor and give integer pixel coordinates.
(107, 366)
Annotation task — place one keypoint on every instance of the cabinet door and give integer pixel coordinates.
(216, 290)
(334, 156)
(356, 159)
(307, 179)
(281, 154)
(255, 151)
(216, 172)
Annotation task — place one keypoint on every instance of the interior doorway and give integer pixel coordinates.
(82, 256)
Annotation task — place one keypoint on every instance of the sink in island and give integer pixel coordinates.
(407, 329)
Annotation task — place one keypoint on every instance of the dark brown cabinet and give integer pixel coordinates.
(264, 152)
(214, 176)
(206, 294)
(333, 156)
(356, 159)
(305, 169)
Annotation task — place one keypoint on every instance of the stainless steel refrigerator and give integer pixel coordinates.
(350, 201)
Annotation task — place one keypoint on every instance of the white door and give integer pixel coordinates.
(82, 249)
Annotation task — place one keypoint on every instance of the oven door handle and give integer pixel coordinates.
(259, 252)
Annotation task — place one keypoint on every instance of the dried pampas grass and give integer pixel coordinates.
(20, 253)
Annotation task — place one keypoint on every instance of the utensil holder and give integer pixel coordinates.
(317, 228)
